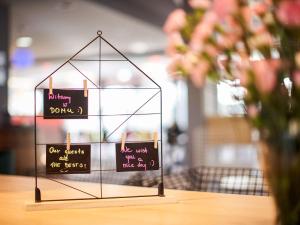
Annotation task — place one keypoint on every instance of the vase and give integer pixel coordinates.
(281, 167)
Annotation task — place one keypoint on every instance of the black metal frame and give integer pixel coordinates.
(98, 87)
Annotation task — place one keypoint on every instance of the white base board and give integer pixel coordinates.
(99, 203)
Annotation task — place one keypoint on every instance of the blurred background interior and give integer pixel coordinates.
(201, 128)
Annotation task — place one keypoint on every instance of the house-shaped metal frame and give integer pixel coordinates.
(100, 39)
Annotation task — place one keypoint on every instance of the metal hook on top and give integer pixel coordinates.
(99, 32)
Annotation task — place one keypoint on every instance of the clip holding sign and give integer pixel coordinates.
(85, 88)
(123, 140)
(155, 139)
(50, 86)
(68, 141)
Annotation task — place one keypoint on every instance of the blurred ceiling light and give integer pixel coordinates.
(22, 58)
(24, 42)
(138, 47)
(124, 75)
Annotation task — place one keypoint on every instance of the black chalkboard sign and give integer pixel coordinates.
(137, 157)
(65, 104)
(59, 160)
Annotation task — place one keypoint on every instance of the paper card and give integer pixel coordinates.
(137, 157)
(59, 160)
(65, 104)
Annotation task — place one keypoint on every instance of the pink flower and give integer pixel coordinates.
(288, 12)
(210, 18)
(200, 4)
(261, 6)
(203, 30)
(175, 21)
(176, 63)
(222, 62)
(243, 66)
(231, 26)
(265, 74)
(225, 7)
(296, 78)
(196, 44)
(247, 14)
(188, 62)
(227, 40)
(252, 111)
(243, 76)
(260, 39)
(198, 73)
(211, 50)
(253, 21)
(205, 27)
(174, 41)
(182, 64)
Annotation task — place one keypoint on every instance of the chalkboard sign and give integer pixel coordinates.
(59, 160)
(137, 157)
(65, 104)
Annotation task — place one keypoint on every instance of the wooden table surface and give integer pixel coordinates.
(192, 208)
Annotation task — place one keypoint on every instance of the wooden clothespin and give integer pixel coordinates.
(68, 141)
(85, 88)
(123, 140)
(155, 139)
(50, 86)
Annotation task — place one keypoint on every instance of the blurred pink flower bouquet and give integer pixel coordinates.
(255, 42)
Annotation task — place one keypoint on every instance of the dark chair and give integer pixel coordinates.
(7, 161)
(246, 181)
